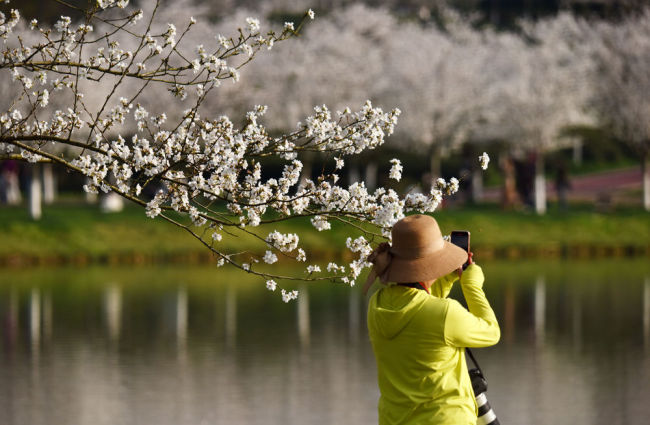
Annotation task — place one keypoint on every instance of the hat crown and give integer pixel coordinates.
(416, 236)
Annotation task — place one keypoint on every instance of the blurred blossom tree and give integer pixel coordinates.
(623, 77)
(324, 66)
(125, 99)
(432, 73)
(453, 82)
(537, 86)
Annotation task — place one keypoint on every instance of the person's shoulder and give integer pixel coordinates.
(436, 302)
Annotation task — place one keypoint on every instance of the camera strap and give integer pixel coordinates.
(471, 356)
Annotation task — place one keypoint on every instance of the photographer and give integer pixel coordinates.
(419, 335)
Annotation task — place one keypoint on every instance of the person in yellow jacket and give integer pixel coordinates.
(419, 335)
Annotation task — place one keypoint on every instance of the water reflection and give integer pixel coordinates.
(111, 347)
(303, 315)
(354, 313)
(576, 323)
(35, 320)
(646, 314)
(181, 317)
(540, 309)
(113, 311)
(10, 322)
(47, 319)
(231, 316)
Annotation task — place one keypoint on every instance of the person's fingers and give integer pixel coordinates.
(469, 258)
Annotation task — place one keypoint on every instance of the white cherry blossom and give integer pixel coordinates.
(130, 106)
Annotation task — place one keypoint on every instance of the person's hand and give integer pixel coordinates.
(469, 261)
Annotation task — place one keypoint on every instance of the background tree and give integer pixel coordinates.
(539, 85)
(623, 81)
(206, 175)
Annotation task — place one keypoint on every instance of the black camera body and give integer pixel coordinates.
(486, 415)
(479, 384)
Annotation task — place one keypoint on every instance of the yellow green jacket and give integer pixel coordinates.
(419, 341)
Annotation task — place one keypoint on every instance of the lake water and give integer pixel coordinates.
(207, 346)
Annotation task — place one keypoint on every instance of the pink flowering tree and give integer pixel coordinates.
(122, 98)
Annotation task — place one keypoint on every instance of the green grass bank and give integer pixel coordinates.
(74, 234)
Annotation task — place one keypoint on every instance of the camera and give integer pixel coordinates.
(486, 415)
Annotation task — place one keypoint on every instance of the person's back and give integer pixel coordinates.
(418, 337)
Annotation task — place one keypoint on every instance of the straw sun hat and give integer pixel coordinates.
(418, 253)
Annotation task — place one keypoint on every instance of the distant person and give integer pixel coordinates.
(9, 184)
(419, 335)
(525, 179)
(509, 190)
(562, 184)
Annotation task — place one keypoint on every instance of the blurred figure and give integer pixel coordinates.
(562, 183)
(9, 183)
(525, 179)
(509, 194)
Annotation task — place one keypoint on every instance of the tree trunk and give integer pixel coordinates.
(509, 191)
(540, 184)
(91, 198)
(35, 210)
(49, 184)
(307, 168)
(435, 163)
(371, 175)
(645, 171)
(353, 173)
(477, 185)
(577, 152)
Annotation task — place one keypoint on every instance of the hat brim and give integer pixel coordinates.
(433, 266)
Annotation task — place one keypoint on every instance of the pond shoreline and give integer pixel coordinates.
(204, 257)
(82, 235)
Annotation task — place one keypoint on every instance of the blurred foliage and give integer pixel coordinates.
(499, 13)
(48, 10)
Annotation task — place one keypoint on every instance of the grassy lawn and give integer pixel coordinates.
(580, 225)
(79, 231)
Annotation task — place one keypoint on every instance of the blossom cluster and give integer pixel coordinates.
(204, 168)
(484, 160)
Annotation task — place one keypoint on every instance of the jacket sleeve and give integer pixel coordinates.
(477, 327)
(442, 286)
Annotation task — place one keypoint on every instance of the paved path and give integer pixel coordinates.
(613, 184)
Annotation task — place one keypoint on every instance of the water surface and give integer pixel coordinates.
(205, 346)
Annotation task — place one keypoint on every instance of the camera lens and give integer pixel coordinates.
(486, 415)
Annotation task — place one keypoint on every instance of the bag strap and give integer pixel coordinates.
(471, 356)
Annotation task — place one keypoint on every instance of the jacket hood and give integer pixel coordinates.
(392, 308)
